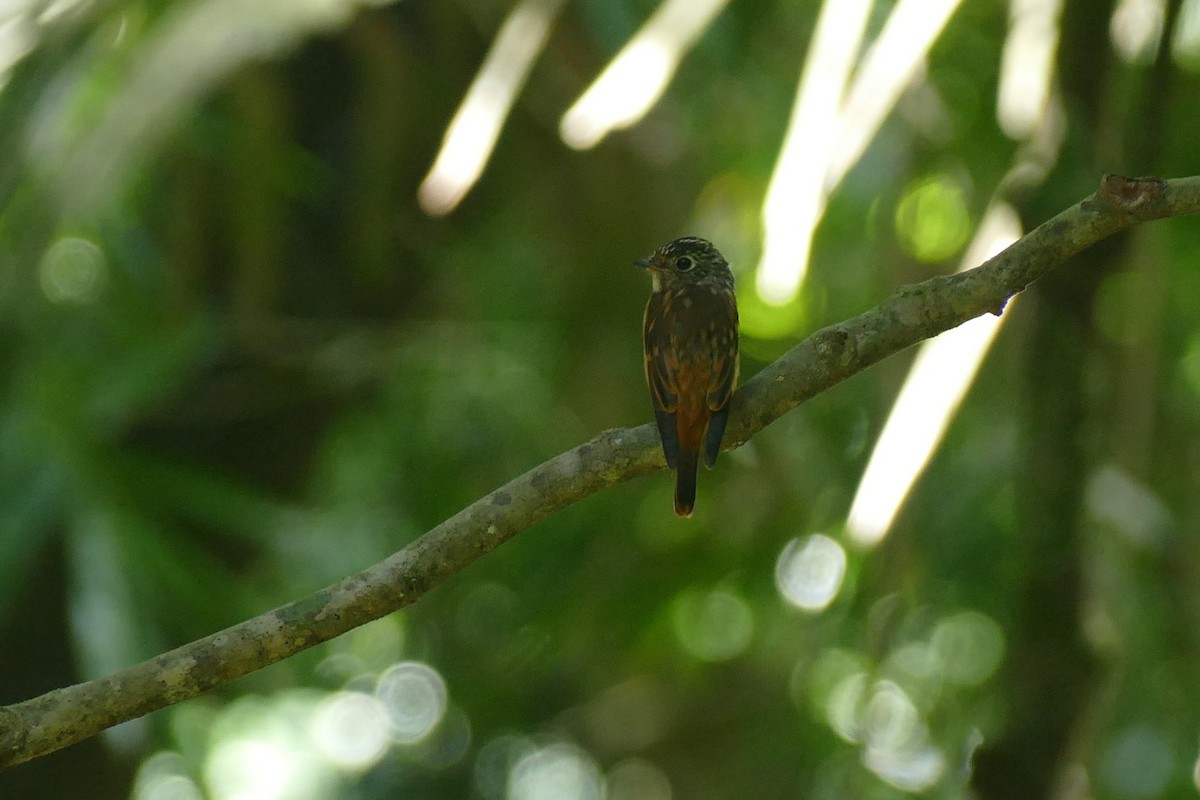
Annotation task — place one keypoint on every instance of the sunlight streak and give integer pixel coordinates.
(945, 366)
(1135, 28)
(1027, 65)
(940, 374)
(887, 70)
(471, 135)
(1186, 44)
(826, 138)
(796, 195)
(635, 79)
(17, 39)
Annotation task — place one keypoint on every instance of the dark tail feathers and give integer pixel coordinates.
(685, 482)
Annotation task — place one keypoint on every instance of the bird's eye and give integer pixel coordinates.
(684, 264)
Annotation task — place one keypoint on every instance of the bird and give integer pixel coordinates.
(690, 347)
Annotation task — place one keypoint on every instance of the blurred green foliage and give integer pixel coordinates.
(240, 362)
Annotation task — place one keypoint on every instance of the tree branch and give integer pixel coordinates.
(64, 716)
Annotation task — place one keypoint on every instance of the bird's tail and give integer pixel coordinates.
(685, 482)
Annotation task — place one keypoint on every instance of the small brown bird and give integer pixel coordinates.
(690, 343)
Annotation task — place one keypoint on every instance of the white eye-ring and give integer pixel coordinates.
(684, 264)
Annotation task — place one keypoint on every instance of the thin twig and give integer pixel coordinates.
(64, 716)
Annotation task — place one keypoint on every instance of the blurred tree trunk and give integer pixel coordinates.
(1050, 668)
(37, 658)
(1076, 422)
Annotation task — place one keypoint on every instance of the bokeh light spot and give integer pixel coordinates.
(908, 770)
(809, 571)
(164, 776)
(843, 708)
(970, 647)
(414, 699)
(891, 721)
(1137, 763)
(350, 729)
(897, 748)
(73, 271)
(932, 220)
(558, 772)
(262, 766)
(712, 626)
(247, 768)
(262, 750)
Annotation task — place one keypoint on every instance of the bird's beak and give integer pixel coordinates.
(642, 262)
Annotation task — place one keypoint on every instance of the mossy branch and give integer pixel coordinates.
(64, 716)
